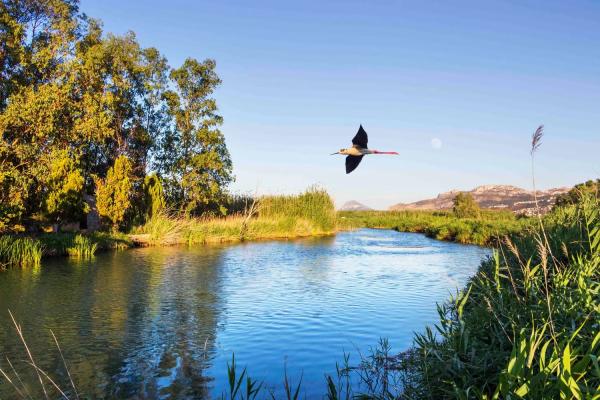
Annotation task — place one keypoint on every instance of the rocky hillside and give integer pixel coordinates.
(354, 205)
(502, 197)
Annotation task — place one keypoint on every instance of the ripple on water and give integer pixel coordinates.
(164, 321)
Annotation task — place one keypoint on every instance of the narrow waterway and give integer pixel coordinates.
(164, 322)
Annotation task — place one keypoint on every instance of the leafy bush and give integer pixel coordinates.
(527, 324)
(465, 206)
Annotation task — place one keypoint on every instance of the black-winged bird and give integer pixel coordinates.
(358, 150)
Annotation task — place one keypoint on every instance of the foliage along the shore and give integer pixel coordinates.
(74, 101)
(526, 326)
(486, 229)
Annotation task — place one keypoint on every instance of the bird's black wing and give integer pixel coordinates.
(360, 138)
(352, 162)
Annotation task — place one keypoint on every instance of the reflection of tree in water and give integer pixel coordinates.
(136, 323)
(171, 320)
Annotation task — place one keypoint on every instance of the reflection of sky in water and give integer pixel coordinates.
(163, 322)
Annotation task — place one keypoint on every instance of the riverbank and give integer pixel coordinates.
(273, 217)
(486, 230)
(276, 217)
(311, 213)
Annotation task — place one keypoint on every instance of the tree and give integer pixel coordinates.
(590, 188)
(154, 198)
(195, 161)
(465, 206)
(64, 188)
(73, 99)
(113, 192)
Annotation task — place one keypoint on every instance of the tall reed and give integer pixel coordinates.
(527, 324)
(19, 251)
(82, 247)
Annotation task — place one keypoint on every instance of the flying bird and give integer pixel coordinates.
(358, 150)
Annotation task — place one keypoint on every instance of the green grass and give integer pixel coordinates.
(19, 251)
(28, 251)
(82, 247)
(271, 217)
(441, 225)
(526, 326)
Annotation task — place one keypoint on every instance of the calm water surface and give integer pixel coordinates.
(163, 322)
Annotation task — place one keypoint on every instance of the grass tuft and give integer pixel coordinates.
(19, 251)
(82, 247)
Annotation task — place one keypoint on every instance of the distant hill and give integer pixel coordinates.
(503, 197)
(354, 205)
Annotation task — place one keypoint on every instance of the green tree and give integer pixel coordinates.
(154, 198)
(465, 206)
(590, 188)
(194, 158)
(113, 194)
(64, 85)
(64, 188)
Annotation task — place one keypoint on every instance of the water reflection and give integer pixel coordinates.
(163, 322)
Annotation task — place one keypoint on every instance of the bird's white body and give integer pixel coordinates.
(355, 151)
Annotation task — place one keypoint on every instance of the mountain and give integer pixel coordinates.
(354, 205)
(503, 197)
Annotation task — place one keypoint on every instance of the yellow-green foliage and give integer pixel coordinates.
(443, 225)
(82, 247)
(19, 251)
(306, 214)
(64, 183)
(154, 197)
(465, 206)
(113, 193)
(526, 327)
(314, 205)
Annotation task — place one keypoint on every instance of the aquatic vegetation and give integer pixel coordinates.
(19, 251)
(314, 205)
(268, 217)
(526, 326)
(82, 247)
(487, 229)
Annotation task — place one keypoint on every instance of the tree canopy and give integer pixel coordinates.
(465, 206)
(73, 100)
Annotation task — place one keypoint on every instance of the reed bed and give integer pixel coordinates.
(526, 326)
(441, 225)
(82, 247)
(19, 251)
(268, 217)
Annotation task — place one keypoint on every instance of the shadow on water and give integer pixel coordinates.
(163, 322)
(135, 322)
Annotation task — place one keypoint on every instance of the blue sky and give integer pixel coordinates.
(299, 77)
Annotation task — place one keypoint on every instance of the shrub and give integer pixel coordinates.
(465, 206)
(113, 193)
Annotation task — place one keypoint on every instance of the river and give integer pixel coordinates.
(164, 322)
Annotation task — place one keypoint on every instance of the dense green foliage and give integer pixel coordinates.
(465, 206)
(113, 194)
(21, 251)
(441, 225)
(154, 196)
(73, 101)
(589, 188)
(314, 205)
(286, 216)
(527, 324)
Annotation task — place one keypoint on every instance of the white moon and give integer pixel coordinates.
(436, 143)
